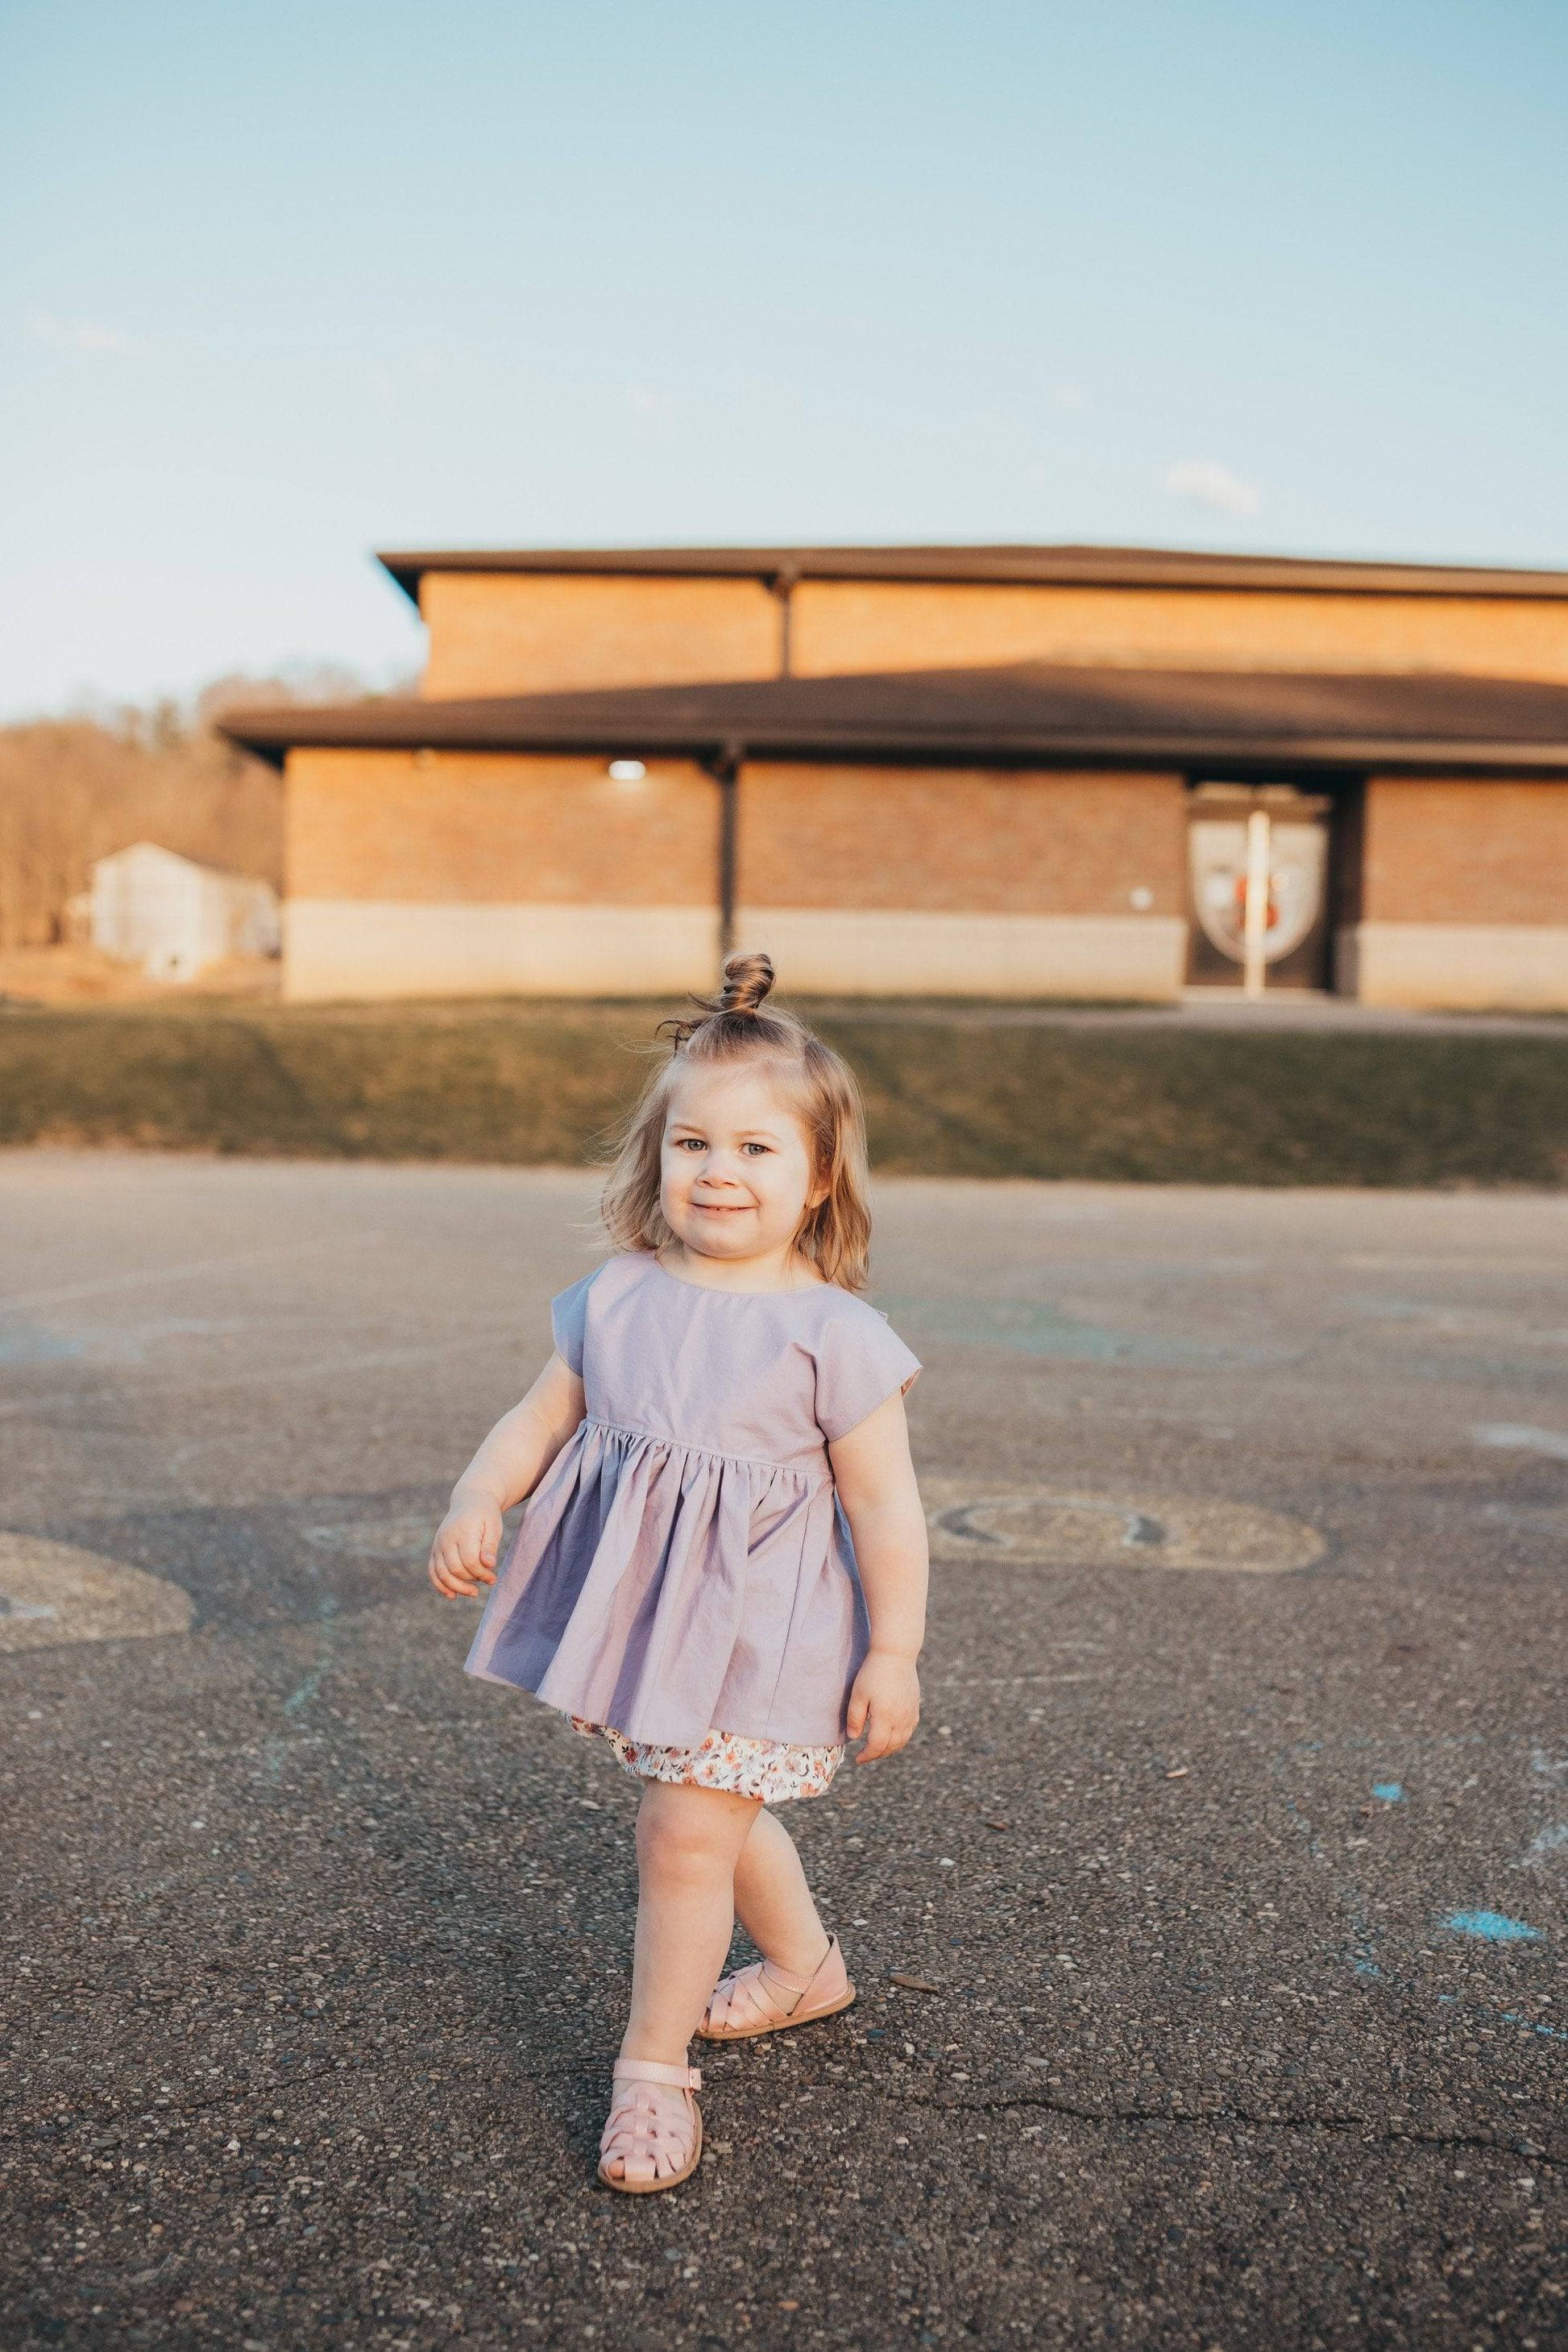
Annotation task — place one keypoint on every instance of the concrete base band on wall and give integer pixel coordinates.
(364, 948)
(865, 952)
(1455, 967)
(371, 948)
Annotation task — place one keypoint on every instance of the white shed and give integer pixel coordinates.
(174, 917)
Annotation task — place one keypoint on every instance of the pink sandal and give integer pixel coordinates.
(645, 2132)
(766, 1999)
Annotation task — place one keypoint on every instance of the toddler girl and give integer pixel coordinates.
(722, 1570)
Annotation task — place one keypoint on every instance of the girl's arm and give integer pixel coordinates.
(876, 1481)
(510, 1465)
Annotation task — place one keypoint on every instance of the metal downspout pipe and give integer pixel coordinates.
(724, 766)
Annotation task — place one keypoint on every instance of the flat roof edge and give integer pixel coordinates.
(992, 566)
(1383, 754)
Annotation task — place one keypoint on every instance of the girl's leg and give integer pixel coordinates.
(688, 1843)
(775, 1902)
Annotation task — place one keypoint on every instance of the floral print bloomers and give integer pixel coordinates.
(770, 1769)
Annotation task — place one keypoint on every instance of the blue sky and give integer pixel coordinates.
(280, 284)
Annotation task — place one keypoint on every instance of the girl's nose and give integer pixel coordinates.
(721, 1170)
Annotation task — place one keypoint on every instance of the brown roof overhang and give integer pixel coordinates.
(1023, 715)
(1088, 567)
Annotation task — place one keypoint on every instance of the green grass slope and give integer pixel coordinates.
(531, 1083)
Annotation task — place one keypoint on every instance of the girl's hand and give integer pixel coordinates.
(876, 1481)
(885, 1705)
(466, 1547)
(508, 1466)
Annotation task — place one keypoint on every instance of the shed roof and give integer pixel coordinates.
(1089, 567)
(1025, 714)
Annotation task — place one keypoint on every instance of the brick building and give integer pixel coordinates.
(999, 771)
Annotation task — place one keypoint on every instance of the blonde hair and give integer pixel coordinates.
(836, 1236)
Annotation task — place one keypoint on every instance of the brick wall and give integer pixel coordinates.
(957, 841)
(442, 827)
(842, 626)
(477, 825)
(467, 873)
(1439, 850)
(517, 633)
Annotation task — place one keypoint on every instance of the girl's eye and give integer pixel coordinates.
(691, 1143)
(754, 1147)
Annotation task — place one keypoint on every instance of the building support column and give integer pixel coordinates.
(724, 766)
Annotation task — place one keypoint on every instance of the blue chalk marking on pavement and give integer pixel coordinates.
(1492, 1927)
(1036, 1327)
(1508, 2017)
(1523, 1438)
(25, 1343)
(1391, 1792)
(1548, 1841)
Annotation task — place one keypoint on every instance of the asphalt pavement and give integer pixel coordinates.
(1209, 1936)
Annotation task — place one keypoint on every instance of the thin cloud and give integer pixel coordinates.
(1204, 482)
(1069, 395)
(76, 335)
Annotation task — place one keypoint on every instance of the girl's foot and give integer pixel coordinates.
(653, 2138)
(766, 1999)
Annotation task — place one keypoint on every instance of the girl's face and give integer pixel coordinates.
(736, 1176)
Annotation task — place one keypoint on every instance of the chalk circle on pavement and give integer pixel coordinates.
(52, 1593)
(1071, 1526)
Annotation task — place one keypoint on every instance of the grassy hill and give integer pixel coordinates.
(946, 1094)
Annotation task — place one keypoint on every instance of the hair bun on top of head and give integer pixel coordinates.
(747, 980)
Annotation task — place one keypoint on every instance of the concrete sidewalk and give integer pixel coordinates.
(1209, 1936)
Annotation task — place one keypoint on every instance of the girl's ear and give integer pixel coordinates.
(814, 1200)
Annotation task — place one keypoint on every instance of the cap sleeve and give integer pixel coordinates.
(860, 1363)
(569, 1321)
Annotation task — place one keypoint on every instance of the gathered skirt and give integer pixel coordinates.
(666, 1588)
(773, 1771)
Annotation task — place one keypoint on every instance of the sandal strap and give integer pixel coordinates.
(758, 1995)
(784, 1978)
(769, 1972)
(652, 2070)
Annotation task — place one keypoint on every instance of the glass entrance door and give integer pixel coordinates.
(1258, 879)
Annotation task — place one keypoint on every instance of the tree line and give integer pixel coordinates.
(74, 789)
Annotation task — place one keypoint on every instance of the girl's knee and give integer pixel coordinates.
(686, 1834)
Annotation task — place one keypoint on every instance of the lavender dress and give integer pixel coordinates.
(683, 1566)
